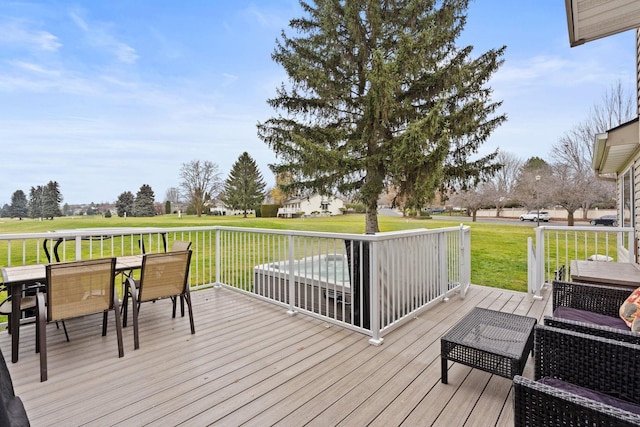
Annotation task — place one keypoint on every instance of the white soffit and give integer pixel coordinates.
(593, 19)
(615, 148)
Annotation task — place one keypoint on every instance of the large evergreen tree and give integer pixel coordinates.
(51, 199)
(381, 95)
(124, 204)
(143, 205)
(19, 205)
(244, 188)
(36, 196)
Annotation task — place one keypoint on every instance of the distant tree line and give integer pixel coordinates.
(201, 186)
(142, 204)
(43, 202)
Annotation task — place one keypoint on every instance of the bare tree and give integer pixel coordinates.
(200, 181)
(534, 183)
(617, 107)
(473, 199)
(499, 190)
(174, 197)
(573, 153)
(569, 189)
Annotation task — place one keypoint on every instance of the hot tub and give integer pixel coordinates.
(322, 284)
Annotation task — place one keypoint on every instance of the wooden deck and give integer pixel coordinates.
(252, 364)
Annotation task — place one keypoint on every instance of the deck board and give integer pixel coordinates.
(250, 363)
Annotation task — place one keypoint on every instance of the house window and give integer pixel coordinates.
(324, 206)
(626, 207)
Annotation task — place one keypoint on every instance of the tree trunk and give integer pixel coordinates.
(473, 215)
(372, 221)
(585, 211)
(570, 219)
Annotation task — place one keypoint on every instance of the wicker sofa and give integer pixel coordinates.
(580, 380)
(603, 301)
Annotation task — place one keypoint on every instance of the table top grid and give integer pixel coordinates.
(492, 331)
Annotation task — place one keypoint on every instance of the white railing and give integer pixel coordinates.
(368, 283)
(556, 246)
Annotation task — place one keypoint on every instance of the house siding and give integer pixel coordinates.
(636, 202)
(638, 70)
(312, 205)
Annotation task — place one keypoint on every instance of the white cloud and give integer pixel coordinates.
(20, 34)
(35, 68)
(266, 19)
(99, 35)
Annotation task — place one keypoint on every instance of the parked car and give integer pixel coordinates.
(533, 216)
(611, 220)
(435, 210)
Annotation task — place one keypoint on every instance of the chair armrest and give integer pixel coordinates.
(584, 296)
(592, 329)
(593, 362)
(536, 404)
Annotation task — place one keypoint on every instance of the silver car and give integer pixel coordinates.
(533, 216)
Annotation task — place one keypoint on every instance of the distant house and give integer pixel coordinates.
(616, 153)
(310, 206)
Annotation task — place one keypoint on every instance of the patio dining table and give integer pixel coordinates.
(15, 278)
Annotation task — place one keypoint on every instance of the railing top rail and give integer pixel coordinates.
(586, 228)
(125, 231)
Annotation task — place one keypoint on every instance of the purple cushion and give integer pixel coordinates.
(590, 394)
(590, 317)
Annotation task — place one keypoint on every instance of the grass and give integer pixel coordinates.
(498, 251)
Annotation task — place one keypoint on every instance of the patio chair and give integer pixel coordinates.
(76, 289)
(180, 245)
(579, 379)
(163, 275)
(27, 302)
(591, 309)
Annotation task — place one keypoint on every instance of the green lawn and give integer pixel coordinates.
(498, 251)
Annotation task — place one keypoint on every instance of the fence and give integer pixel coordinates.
(368, 283)
(557, 246)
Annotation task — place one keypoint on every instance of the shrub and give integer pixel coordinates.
(269, 211)
(355, 208)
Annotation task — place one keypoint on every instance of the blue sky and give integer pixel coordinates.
(105, 96)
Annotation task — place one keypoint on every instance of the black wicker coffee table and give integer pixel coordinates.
(490, 340)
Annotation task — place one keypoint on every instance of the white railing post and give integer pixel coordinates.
(443, 264)
(531, 266)
(374, 300)
(78, 247)
(539, 266)
(632, 247)
(465, 260)
(292, 278)
(218, 258)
